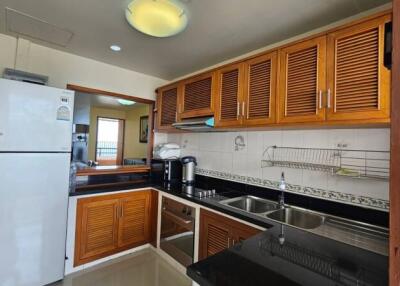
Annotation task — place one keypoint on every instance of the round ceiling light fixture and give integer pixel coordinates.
(157, 18)
(125, 102)
(115, 48)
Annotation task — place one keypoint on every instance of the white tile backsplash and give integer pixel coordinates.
(216, 152)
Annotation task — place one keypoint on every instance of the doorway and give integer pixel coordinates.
(110, 141)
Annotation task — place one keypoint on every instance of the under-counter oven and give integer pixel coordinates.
(177, 230)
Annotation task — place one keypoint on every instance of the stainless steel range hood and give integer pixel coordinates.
(196, 124)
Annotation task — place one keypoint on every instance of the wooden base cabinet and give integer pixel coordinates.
(218, 233)
(112, 223)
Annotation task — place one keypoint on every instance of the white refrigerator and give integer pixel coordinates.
(35, 151)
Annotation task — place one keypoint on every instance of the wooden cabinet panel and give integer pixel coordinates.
(134, 219)
(214, 234)
(111, 223)
(97, 221)
(358, 82)
(218, 233)
(229, 96)
(167, 113)
(197, 97)
(260, 89)
(302, 81)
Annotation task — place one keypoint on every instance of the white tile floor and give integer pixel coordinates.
(144, 268)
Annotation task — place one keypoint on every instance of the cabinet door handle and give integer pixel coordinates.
(233, 242)
(238, 110)
(320, 99)
(243, 107)
(121, 211)
(329, 98)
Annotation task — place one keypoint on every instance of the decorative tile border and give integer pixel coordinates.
(363, 201)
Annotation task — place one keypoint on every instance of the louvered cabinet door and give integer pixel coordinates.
(215, 234)
(96, 229)
(134, 219)
(260, 89)
(358, 82)
(167, 107)
(197, 98)
(242, 232)
(229, 97)
(302, 81)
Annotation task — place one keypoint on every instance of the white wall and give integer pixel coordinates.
(215, 151)
(63, 68)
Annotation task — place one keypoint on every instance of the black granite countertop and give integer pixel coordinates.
(287, 256)
(281, 255)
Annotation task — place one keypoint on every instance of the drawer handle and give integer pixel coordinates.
(176, 217)
(320, 99)
(329, 98)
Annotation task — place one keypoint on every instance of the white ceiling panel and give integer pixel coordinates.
(218, 29)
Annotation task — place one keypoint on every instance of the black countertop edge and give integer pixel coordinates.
(286, 257)
(357, 213)
(176, 190)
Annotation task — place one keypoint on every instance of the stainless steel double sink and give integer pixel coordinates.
(293, 216)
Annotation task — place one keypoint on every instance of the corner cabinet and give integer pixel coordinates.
(302, 81)
(112, 223)
(197, 96)
(358, 81)
(167, 102)
(218, 233)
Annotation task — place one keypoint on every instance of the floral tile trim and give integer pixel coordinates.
(363, 201)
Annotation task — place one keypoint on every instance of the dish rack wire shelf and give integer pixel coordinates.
(342, 162)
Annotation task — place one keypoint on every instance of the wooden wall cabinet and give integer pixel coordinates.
(337, 77)
(218, 233)
(358, 81)
(112, 223)
(259, 97)
(229, 96)
(197, 96)
(246, 92)
(167, 107)
(302, 81)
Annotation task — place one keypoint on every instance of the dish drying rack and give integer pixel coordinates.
(341, 162)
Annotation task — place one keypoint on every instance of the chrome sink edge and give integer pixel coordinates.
(321, 230)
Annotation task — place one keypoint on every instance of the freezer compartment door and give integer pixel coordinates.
(35, 118)
(33, 217)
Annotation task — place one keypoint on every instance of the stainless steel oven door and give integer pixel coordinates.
(177, 231)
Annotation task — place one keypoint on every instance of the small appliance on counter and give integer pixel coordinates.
(167, 151)
(188, 169)
(166, 170)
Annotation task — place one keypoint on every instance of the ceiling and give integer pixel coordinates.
(103, 101)
(218, 29)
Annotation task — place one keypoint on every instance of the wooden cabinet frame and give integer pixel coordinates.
(323, 115)
(208, 111)
(235, 232)
(219, 122)
(383, 110)
(319, 115)
(160, 91)
(114, 223)
(273, 57)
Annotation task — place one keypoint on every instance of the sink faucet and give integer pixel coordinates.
(282, 188)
